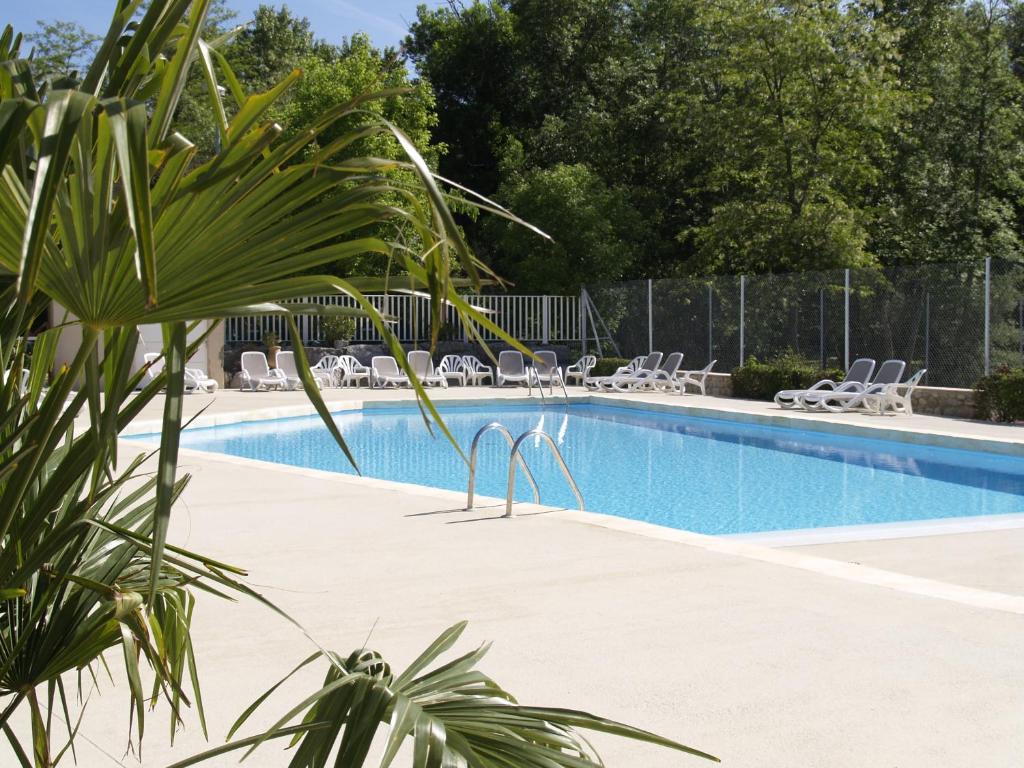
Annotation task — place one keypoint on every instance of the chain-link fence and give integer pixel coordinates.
(958, 320)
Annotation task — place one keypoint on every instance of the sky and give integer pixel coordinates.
(386, 21)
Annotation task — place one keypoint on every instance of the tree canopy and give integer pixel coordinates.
(741, 135)
(684, 137)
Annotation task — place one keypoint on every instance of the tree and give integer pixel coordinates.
(103, 212)
(954, 184)
(357, 68)
(594, 223)
(470, 57)
(61, 48)
(803, 95)
(272, 45)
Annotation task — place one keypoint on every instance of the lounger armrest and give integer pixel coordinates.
(822, 384)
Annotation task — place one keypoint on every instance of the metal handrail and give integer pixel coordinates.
(532, 373)
(495, 425)
(512, 467)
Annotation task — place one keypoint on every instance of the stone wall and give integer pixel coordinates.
(944, 401)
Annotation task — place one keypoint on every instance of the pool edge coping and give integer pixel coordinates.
(734, 546)
(898, 432)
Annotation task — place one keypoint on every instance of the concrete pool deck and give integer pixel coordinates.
(752, 659)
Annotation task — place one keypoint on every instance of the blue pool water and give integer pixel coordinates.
(706, 475)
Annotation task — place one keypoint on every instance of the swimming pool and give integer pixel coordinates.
(706, 475)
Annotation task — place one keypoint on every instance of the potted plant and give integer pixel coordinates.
(338, 330)
(273, 345)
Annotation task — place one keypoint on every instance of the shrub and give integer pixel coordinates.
(760, 381)
(606, 366)
(1001, 395)
(336, 327)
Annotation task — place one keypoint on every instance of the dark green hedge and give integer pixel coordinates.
(606, 366)
(760, 381)
(1001, 395)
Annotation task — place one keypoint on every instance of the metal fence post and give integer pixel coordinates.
(821, 326)
(743, 306)
(927, 324)
(650, 315)
(583, 319)
(711, 345)
(546, 319)
(846, 322)
(988, 315)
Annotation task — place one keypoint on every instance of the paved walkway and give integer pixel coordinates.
(760, 662)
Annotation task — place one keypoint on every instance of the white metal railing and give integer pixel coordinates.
(554, 319)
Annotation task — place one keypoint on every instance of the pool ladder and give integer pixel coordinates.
(516, 459)
(532, 375)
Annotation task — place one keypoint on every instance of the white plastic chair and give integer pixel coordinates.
(351, 371)
(453, 368)
(696, 378)
(580, 369)
(258, 375)
(896, 397)
(386, 372)
(327, 366)
(511, 368)
(423, 367)
(475, 370)
(856, 380)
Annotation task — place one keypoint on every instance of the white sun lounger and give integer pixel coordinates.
(632, 366)
(856, 380)
(475, 370)
(386, 372)
(196, 379)
(650, 363)
(547, 370)
(511, 368)
(423, 368)
(580, 369)
(662, 377)
(286, 364)
(889, 372)
(696, 378)
(257, 374)
(26, 374)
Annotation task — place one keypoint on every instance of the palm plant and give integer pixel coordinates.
(104, 212)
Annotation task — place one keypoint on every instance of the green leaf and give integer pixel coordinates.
(128, 126)
(174, 366)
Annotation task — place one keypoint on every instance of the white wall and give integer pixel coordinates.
(207, 357)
